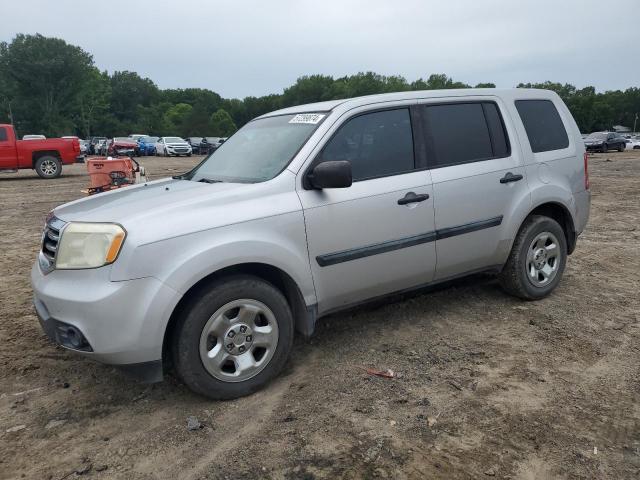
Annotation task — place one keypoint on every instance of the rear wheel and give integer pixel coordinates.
(621, 147)
(48, 166)
(537, 259)
(233, 338)
(605, 148)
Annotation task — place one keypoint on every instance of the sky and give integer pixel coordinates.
(242, 48)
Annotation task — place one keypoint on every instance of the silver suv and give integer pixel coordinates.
(309, 210)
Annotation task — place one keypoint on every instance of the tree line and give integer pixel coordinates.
(50, 87)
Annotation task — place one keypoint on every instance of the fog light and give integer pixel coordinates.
(71, 337)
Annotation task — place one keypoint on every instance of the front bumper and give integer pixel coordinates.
(594, 148)
(123, 322)
(181, 151)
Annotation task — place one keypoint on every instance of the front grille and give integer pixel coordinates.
(50, 241)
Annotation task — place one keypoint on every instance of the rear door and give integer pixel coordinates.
(376, 236)
(8, 154)
(478, 178)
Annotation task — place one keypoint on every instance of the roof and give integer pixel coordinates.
(349, 103)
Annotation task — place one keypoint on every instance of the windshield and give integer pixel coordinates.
(123, 139)
(149, 139)
(173, 140)
(596, 136)
(195, 139)
(258, 151)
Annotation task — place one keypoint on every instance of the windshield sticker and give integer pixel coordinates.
(309, 118)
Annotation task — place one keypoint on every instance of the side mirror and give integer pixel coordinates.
(331, 174)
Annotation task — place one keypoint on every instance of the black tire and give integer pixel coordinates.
(605, 148)
(188, 154)
(514, 278)
(48, 166)
(196, 314)
(621, 147)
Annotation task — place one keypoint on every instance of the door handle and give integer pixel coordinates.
(412, 197)
(510, 177)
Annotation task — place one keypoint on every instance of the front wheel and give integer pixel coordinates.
(48, 166)
(537, 259)
(605, 148)
(233, 337)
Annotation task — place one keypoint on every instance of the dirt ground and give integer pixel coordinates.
(488, 385)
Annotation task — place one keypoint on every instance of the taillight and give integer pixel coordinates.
(586, 171)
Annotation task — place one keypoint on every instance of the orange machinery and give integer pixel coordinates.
(109, 173)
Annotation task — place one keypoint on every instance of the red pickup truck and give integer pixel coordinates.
(46, 157)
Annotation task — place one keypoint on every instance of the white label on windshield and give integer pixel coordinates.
(311, 118)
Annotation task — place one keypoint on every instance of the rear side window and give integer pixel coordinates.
(543, 125)
(376, 144)
(464, 132)
(3, 134)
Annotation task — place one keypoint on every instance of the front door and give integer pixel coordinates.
(478, 179)
(8, 157)
(376, 236)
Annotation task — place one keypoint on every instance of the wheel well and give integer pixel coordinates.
(42, 153)
(303, 317)
(561, 215)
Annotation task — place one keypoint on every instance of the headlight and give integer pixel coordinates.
(89, 245)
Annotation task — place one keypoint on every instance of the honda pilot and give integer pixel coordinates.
(310, 210)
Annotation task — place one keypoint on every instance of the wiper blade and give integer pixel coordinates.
(209, 180)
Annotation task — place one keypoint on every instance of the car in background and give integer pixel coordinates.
(137, 136)
(604, 141)
(195, 144)
(147, 145)
(93, 143)
(45, 156)
(122, 146)
(211, 144)
(34, 137)
(633, 143)
(83, 143)
(98, 148)
(170, 146)
(84, 146)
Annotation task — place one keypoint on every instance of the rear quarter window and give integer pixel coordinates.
(3, 134)
(543, 125)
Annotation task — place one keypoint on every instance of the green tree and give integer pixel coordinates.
(44, 78)
(128, 92)
(176, 116)
(93, 102)
(221, 124)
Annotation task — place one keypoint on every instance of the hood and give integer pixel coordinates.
(121, 143)
(171, 207)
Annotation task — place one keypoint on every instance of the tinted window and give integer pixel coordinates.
(377, 144)
(543, 125)
(499, 140)
(459, 134)
(3, 134)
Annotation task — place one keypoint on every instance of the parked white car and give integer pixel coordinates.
(169, 146)
(137, 136)
(633, 143)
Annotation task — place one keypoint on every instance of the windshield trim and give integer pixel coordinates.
(190, 174)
